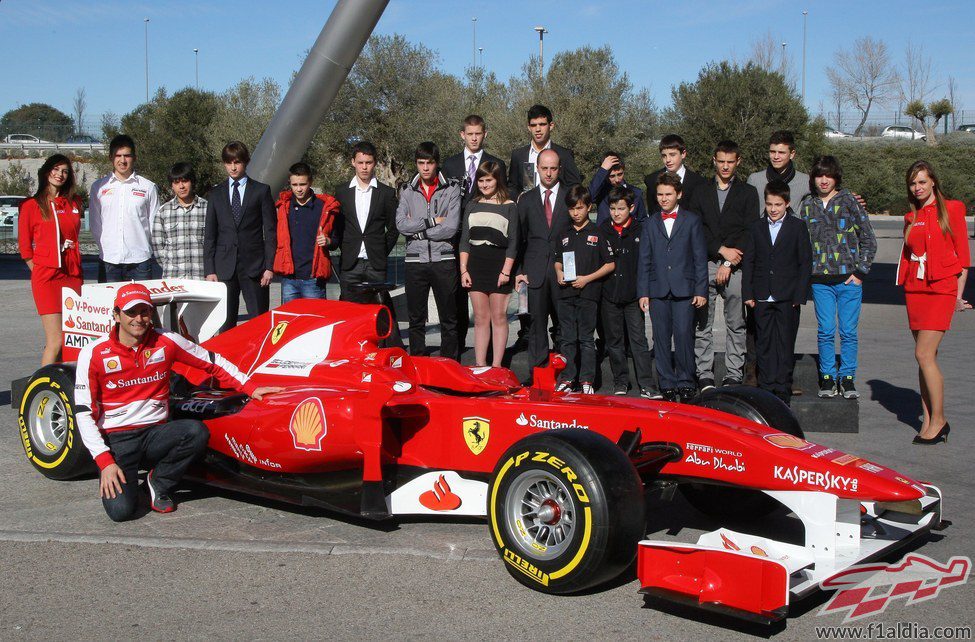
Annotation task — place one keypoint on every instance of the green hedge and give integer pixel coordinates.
(875, 168)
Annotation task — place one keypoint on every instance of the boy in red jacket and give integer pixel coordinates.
(306, 226)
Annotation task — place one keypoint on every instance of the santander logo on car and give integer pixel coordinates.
(548, 424)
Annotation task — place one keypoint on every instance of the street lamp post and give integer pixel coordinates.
(147, 59)
(480, 50)
(541, 36)
(805, 14)
(784, 65)
(196, 55)
(474, 39)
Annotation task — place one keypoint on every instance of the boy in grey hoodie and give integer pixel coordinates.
(428, 216)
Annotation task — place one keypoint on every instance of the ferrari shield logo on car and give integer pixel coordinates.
(476, 433)
(278, 332)
(308, 425)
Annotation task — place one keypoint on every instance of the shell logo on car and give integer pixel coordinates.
(69, 303)
(308, 425)
(783, 440)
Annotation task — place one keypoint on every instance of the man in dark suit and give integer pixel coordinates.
(366, 232)
(542, 215)
(671, 284)
(240, 236)
(463, 166)
(728, 206)
(776, 270)
(522, 174)
(673, 151)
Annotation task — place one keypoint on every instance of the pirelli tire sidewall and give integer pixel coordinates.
(607, 499)
(53, 384)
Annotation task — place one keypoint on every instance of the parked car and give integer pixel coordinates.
(967, 128)
(835, 133)
(82, 139)
(902, 131)
(9, 206)
(22, 138)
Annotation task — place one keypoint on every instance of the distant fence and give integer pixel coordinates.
(880, 118)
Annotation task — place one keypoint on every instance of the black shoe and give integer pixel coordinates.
(669, 394)
(728, 381)
(158, 500)
(651, 393)
(686, 394)
(620, 389)
(937, 439)
(827, 387)
(705, 384)
(847, 389)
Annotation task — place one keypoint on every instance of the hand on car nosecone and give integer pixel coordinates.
(263, 391)
(110, 481)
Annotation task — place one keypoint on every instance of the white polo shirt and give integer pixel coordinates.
(121, 214)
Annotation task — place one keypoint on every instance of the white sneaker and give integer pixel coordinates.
(564, 386)
(587, 389)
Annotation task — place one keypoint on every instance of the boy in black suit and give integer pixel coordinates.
(776, 269)
(673, 152)
(586, 252)
(673, 281)
(620, 310)
(240, 236)
(522, 174)
(463, 166)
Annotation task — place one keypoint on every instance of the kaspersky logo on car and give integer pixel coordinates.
(548, 424)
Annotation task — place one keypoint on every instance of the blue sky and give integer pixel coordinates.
(52, 47)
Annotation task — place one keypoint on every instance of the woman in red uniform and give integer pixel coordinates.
(933, 267)
(48, 229)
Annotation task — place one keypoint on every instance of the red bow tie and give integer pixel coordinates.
(671, 216)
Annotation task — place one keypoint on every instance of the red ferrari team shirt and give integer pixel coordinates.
(121, 388)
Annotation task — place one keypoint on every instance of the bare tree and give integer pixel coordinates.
(838, 100)
(769, 53)
(916, 81)
(864, 76)
(79, 105)
(954, 100)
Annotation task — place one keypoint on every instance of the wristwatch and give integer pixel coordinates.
(726, 263)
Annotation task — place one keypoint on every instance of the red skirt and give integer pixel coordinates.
(930, 310)
(46, 284)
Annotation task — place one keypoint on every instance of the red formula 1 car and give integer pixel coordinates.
(560, 477)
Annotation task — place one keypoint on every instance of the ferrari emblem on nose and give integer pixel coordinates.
(278, 332)
(476, 433)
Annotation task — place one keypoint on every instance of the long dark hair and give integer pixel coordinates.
(939, 197)
(67, 190)
(493, 169)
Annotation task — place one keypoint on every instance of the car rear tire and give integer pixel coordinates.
(565, 510)
(48, 426)
(756, 405)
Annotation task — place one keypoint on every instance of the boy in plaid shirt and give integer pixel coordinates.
(177, 230)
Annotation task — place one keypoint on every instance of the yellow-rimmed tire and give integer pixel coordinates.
(566, 510)
(48, 427)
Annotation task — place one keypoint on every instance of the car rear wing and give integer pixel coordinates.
(195, 309)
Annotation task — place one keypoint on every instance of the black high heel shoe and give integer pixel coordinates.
(937, 439)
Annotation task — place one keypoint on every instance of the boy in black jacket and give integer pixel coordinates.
(620, 309)
(776, 268)
(586, 250)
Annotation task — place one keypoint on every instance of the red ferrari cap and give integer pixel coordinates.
(132, 294)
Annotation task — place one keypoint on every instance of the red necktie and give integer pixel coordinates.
(671, 216)
(548, 206)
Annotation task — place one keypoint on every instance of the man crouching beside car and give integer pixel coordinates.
(122, 392)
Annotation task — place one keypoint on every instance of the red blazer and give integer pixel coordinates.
(946, 255)
(321, 266)
(42, 241)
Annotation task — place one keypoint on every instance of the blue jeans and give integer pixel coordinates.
(292, 289)
(116, 272)
(839, 301)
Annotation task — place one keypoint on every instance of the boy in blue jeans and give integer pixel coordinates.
(583, 247)
(843, 248)
(672, 281)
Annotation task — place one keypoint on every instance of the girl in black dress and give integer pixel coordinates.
(488, 247)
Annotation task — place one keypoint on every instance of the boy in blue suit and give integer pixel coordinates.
(672, 280)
